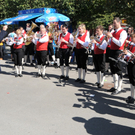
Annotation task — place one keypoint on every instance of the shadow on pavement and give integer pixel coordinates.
(101, 126)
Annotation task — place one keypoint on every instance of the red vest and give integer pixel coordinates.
(82, 38)
(18, 46)
(117, 36)
(63, 45)
(42, 46)
(98, 50)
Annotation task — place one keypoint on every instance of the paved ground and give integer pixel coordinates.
(36, 106)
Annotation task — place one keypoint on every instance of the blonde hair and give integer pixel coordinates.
(18, 31)
(83, 27)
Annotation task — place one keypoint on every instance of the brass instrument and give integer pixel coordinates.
(30, 34)
(51, 31)
(126, 43)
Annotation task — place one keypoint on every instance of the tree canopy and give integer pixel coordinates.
(90, 12)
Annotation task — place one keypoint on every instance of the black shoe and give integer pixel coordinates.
(25, 64)
(62, 77)
(42, 76)
(100, 85)
(112, 89)
(107, 71)
(125, 76)
(47, 64)
(55, 64)
(16, 75)
(82, 81)
(66, 78)
(96, 84)
(115, 92)
(32, 64)
(20, 75)
(130, 100)
(78, 80)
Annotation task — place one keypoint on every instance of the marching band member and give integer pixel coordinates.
(82, 40)
(50, 46)
(117, 40)
(18, 43)
(131, 70)
(29, 49)
(99, 56)
(130, 31)
(41, 49)
(28, 27)
(64, 39)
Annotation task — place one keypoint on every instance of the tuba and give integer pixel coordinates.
(30, 34)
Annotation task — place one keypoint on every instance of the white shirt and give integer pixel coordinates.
(71, 38)
(132, 44)
(87, 39)
(103, 45)
(28, 29)
(123, 37)
(43, 39)
(18, 42)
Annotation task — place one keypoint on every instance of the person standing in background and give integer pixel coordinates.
(3, 34)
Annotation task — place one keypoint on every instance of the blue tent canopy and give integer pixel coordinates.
(52, 17)
(25, 15)
(6, 21)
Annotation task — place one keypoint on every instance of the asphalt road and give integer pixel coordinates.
(36, 106)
